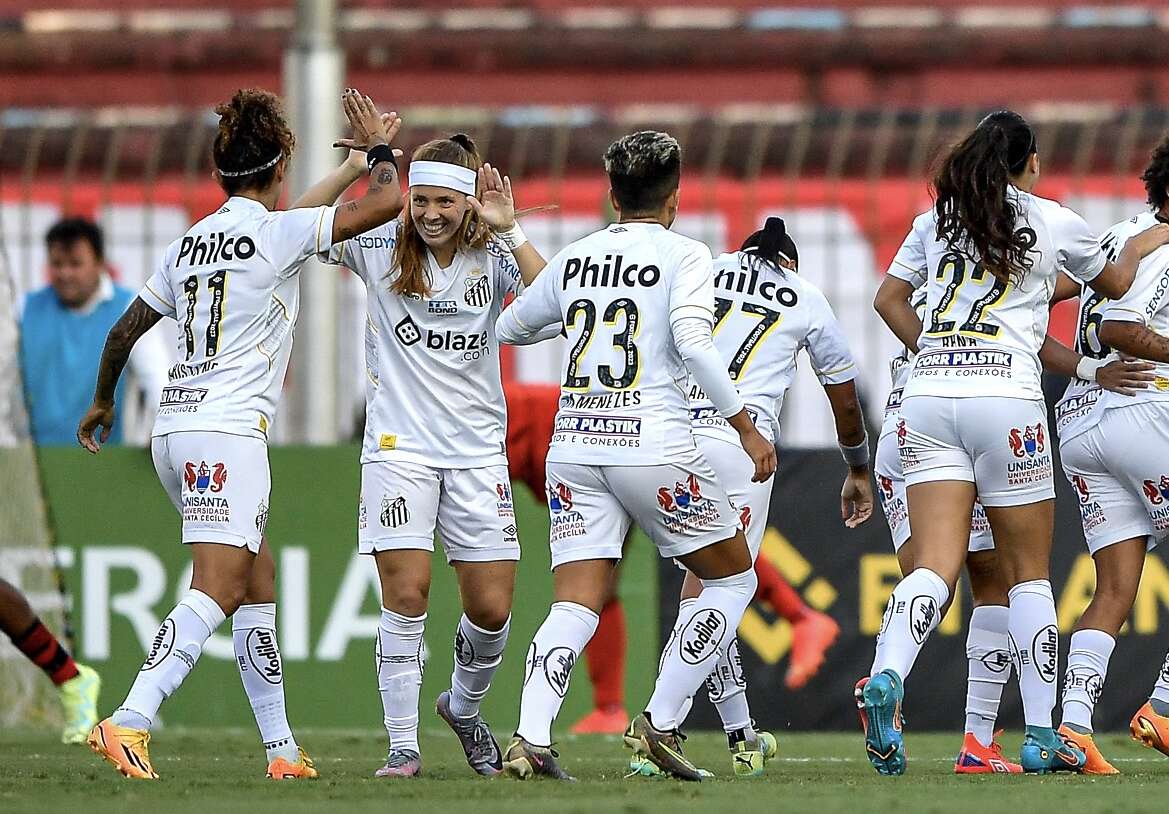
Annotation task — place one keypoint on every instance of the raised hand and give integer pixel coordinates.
(369, 126)
(495, 205)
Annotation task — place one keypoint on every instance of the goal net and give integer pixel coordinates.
(26, 552)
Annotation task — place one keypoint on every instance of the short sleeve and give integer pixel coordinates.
(290, 237)
(1077, 247)
(692, 286)
(157, 292)
(1147, 294)
(909, 264)
(368, 253)
(826, 344)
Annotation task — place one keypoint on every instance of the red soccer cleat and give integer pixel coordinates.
(811, 638)
(978, 759)
(602, 721)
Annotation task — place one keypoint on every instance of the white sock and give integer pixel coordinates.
(257, 653)
(726, 687)
(684, 606)
(551, 657)
(1035, 648)
(1161, 688)
(710, 626)
(173, 653)
(913, 611)
(398, 659)
(478, 653)
(1084, 679)
(988, 668)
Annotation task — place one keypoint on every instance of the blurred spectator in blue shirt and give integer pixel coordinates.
(63, 328)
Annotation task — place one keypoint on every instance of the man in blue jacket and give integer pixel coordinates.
(63, 328)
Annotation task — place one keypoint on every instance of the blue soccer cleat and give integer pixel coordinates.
(881, 698)
(1044, 752)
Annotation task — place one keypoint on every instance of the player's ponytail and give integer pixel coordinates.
(252, 138)
(976, 211)
(410, 250)
(771, 245)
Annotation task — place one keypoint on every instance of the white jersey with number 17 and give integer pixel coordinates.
(763, 317)
(231, 284)
(981, 336)
(622, 398)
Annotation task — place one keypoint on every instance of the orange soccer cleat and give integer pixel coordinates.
(1094, 761)
(602, 721)
(811, 638)
(303, 769)
(125, 748)
(1150, 729)
(978, 759)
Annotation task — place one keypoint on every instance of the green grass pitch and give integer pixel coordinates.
(221, 772)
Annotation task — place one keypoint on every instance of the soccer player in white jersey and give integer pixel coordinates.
(637, 303)
(973, 421)
(434, 450)
(987, 648)
(1115, 456)
(765, 314)
(231, 283)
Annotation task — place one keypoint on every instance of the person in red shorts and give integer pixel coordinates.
(531, 410)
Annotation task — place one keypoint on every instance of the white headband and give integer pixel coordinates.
(442, 174)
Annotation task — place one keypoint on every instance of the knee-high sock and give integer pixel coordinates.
(1035, 648)
(605, 657)
(398, 659)
(173, 653)
(913, 611)
(1159, 698)
(707, 631)
(551, 656)
(988, 668)
(257, 654)
(1087, 669)
(778, 592)
(726, 686)
(44, 650)
(478, 653)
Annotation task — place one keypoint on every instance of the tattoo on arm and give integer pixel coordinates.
(1137, 340)
(387, 174)
(138, 319)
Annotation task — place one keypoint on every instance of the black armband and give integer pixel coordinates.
(377, 154)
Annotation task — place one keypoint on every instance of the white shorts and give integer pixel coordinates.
(734, 469)
(219, 483)
(1001, 445)
(681, 506)
(1118, 470)
(402, 503)
(891, 491)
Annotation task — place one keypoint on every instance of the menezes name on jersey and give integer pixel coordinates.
(746, 281)
(200, 250)
(612, 272)
(604, 401)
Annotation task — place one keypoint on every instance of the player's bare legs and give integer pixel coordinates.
(1118, 575)
(405, 582)
(261, 669)
(486, 590)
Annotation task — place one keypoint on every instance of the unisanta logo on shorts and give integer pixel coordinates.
(680, 497)
(1045, 650)
(558, 666)
(264, 654)
(1157, 491)
(200, 479)
(923, 612)
(901, 432)
(160, 648)
(745, 518)
(1027, 442)
(886, 487)
(559, 498)
(504, 506)
(1081, 487)
(702, 636)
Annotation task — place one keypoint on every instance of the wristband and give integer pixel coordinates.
(513, 238)
(857, 455)
(377, 154)
(1086, 368)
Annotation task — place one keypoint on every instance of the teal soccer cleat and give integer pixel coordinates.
(881, 697)
(1044, 752)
